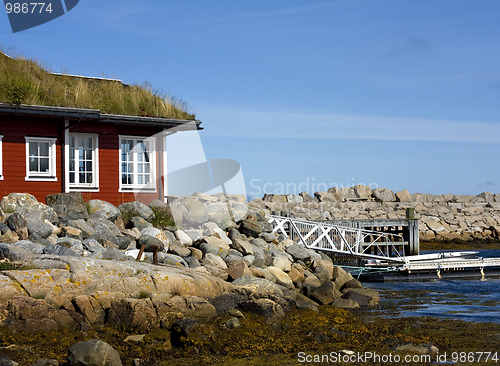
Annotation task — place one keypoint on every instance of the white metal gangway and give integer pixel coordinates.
(341, 240)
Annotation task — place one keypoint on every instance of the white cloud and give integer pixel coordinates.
(276, 124)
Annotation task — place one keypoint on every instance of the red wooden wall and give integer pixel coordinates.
(14, 130)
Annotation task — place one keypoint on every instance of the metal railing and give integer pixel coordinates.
(341, 239)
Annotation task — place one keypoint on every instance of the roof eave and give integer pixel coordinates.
(82, 114)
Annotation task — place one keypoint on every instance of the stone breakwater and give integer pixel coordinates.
(458, 218)
(71, 265)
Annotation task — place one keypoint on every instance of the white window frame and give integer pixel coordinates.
(51, 175)
(78, 187)
(151, 187)
(1, 157)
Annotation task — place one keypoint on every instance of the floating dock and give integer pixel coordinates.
(382, 249)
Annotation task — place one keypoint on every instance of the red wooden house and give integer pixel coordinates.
(46, 150)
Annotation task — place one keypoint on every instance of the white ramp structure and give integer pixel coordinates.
(341, 240)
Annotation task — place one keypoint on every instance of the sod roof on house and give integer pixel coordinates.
(24, 81)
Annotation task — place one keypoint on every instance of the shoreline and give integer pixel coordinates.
(260, 341)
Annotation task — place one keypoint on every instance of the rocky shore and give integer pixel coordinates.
(442, 218)
(69, 266)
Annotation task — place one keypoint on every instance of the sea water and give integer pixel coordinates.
(471, 299)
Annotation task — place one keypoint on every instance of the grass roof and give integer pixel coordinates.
(24, 81)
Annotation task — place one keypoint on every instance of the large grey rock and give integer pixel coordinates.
(264, 307)
(137, 208)
(259, 285)
(83, 226)
(218, 212)
(234, 234)
(337, 194)
(362, 192)
(195, 235)
(4, 228)
(212, 229)
(184, 238)
(214, 249)
(270, 237)
(404, 196)
(69, 206)
(106, 231)
(192, 262)
(71, 243)
(13, 253)
(281, 277)
(43, 228)
(486, 196)
(299, 253)
(214, 260)
(139, 223)
(252, 227)
(383, 195)
(93, 246)
(281, 260)
(93, 353)
(30, 246)
(239, 211)
(306, 197)
(174, 260)
(180, 250)
(341, 277)
(259, 255)
(250, 260)
(260, 243)
(103, 209)
(326, 293)
(114, 254)
(349, 193)
(27, 206)
(56, 249)
(243, 246)
(15, 222)
(103, 227)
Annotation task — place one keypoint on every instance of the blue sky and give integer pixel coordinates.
(396, 94)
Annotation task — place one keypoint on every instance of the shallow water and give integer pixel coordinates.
(465, 299)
